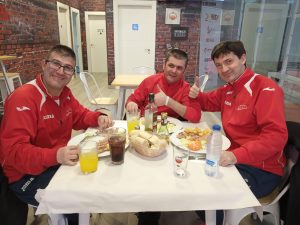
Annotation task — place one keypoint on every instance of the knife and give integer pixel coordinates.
(197, 157)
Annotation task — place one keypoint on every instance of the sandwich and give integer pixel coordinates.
(146, 143)
(102, 144)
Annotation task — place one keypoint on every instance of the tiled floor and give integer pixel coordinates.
(167, 218)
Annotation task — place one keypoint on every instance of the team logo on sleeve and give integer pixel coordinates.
(22, 108)
(269, 89)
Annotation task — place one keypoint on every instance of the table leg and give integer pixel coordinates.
(84, 219)
(210, 217)
(121, 103)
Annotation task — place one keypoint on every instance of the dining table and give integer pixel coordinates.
(144, 184)
(124, 82)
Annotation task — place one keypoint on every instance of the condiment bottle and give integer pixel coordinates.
(163, 131)
(151, 115)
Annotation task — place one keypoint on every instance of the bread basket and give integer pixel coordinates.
(147, 144)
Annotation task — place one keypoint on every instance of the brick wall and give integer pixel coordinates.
(190, 18)
(29, 30)
(32, 29)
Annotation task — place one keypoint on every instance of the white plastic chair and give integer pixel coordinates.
(203, 80)
(53, 219)
(144, 70)
(57, 219)
(270, 203)
(95, 97)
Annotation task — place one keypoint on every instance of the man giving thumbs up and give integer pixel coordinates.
(170, 89)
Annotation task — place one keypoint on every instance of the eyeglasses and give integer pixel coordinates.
(55, 65)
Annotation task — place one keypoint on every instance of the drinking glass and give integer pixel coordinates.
(133, 120)
(88, 157)
(117, 140)
(180, 161)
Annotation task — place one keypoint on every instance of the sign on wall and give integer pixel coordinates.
(172, 16)
(209, 36)
(179, 33)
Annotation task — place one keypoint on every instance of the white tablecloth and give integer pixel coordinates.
(143, 184)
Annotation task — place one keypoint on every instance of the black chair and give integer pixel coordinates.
(290, 205)
(12, 210)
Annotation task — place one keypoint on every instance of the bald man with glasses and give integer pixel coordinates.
(37, 125)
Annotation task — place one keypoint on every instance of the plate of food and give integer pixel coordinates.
(102, 142)
(194, 139)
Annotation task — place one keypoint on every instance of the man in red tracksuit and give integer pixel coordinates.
(252, 113)
(170, 89)
(171, 96)
(37, 124)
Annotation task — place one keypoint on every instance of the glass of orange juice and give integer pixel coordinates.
(133, 120)
(88, 157)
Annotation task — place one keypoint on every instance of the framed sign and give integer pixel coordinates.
(172, 16)
(179, 33)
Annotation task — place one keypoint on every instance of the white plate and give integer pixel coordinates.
(75, 141)
(225, 143)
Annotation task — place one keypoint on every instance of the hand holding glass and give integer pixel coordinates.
(133, 120)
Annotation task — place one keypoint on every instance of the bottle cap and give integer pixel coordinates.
(164, 115)
(216, 127)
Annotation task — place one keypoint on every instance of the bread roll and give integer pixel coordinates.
(147, 144)
(136, 140)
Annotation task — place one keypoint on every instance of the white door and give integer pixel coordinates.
(96, 41)
(63, 14)
(75, 21)
(134, 34)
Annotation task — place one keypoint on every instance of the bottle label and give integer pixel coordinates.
(148, 120)
(211, 162)
(154, 123)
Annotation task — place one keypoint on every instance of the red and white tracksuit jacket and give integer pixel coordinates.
(252, 113)
(35, 125)
(178, 91)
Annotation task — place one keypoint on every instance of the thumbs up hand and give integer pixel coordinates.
(160, 97)
(194, 90)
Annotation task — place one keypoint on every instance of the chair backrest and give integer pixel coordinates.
(10, 205)
(144, 70)
(85, 77)
(291, 156)
(202, 81)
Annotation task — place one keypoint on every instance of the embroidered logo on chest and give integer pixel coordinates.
(47, 117)
(242, 107)
(68, 112)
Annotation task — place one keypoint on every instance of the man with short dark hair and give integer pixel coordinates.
(37, 124)
(252, 112)
(170, 89)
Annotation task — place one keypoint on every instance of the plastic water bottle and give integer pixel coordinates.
(213, 151)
